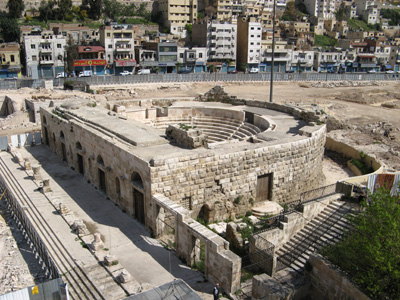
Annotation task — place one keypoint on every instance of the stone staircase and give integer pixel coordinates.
(326, 229)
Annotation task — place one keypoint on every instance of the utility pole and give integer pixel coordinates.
(271, 86)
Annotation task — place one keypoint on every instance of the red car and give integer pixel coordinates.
(233, 72)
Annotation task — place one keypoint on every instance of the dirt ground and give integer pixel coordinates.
(367, 117)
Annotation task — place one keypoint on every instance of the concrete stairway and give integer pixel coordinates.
(327, 228)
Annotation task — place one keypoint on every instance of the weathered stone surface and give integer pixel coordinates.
(97, 244)
(110, 260)
(78, 226)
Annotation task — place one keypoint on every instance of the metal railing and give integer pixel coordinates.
(200, 77)
(314, 241)
(28, 229)
(292, 206)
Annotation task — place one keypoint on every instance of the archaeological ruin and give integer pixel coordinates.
(168, 162)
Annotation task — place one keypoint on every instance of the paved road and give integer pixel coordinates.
(143, 257)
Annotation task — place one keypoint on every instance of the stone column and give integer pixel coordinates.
(36, 172)
(46, 185)
(27, 165)
(97, 243)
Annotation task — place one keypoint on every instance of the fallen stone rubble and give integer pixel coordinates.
(334, 84)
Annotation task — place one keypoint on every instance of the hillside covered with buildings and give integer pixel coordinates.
(108, 37)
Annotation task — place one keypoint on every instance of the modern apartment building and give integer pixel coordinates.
(249, 43)
(193, 59)
(301, 61)
(118, 42)
(44, 54)
(320, 8)
(176, 14)
(220, 40)
(10, 62)
(281, 56)
(91, 58)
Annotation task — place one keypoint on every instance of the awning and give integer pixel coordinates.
(387, 67)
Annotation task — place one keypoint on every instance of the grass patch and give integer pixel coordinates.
(359, 24)
(325, 41)
(362, 166)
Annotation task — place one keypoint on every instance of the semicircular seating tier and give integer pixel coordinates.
(216, 129)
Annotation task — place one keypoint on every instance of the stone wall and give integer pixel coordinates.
(327, 283)
(118, 163)
(221, 264)
(294, 222)
(265, 287)
(187, 137)
(295, 167)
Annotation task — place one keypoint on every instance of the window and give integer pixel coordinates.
(108, 34)
(33, 46)
(109, 46)
(34, 58)
(181, 55)
(200, 55)
(12, 58)
(59, 46)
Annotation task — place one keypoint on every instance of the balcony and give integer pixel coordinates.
(45, 50)
(46, 62)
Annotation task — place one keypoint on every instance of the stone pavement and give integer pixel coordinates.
(142, 256)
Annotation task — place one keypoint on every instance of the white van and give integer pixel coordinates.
(143, 71)
(254, 70)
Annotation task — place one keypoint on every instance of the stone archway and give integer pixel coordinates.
(101, 174)
(138, 197)
(63, 148)
(204, 213)
(79, 158)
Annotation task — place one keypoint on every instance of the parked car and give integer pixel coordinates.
(389, 72)
(143, 71)
(125, 73)
(289, 71)
(85, 74)
(233, 71)
(254, 70)
(371, 71)
(61, 75)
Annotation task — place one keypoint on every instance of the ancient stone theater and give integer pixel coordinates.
(169, 161)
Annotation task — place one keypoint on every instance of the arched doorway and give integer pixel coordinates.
(138, 197)
(80, 158)
(45, 131)
(63, 149)
(102, 174)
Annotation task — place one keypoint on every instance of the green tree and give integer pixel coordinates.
(9, 29)
(370, 252)
(15, 8)
(113, 9)
(72, 51)
(65, 8)
(46, 10)
(94, 8)
(340, 13)
(290, 13)
(189, 29)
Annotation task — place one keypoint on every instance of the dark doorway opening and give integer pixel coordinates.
(64, 152)
(80, 163)
(249, 117)
(46, 136)
(102, 181)
(139, 205)
(264, 187)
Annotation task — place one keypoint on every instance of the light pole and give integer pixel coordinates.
(271, 86)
